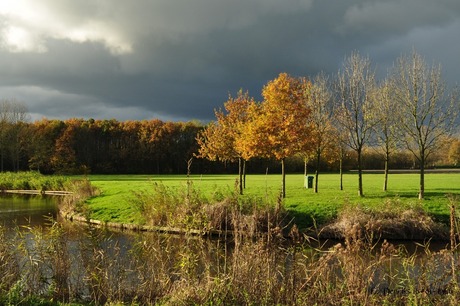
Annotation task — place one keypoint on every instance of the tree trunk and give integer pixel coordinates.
(305, 173)
(341, 167)
(283, 184)
(421, 194)
(316, 181)
(244, 174)
(385, 180)
(305, 169)
(360, 175)
(240, 175)
(318, 160)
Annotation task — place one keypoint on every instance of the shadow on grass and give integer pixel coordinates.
(156, 178)
(409, 195)
(441, 218)
(308, 220)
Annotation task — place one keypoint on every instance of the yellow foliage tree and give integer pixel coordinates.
(277, 128)
(218, 140)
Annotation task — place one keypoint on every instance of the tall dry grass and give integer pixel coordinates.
(9, 265)
(390, 220)
(152, 269)
(74, 203)
(188, 208)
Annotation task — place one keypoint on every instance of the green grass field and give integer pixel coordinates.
(118, 191)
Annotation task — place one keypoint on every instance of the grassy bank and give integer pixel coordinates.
(118, 193)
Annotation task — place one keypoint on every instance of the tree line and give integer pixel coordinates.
(326, 116)
(97, 146)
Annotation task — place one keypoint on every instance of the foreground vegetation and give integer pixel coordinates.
(90, 266)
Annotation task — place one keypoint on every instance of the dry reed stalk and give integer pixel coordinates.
(9, 266)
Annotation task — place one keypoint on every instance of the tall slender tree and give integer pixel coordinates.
(220, 140)
(355, 113)
(320, 120)
(386, 135)
(64, 159)
(426, 112)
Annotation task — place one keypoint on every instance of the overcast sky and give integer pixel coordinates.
(179, 59)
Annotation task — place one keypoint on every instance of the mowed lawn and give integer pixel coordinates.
(117, 201)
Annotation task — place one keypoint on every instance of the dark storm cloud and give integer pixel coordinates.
(178, 60)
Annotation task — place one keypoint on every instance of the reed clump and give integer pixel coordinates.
(391, 220)
(188, 208)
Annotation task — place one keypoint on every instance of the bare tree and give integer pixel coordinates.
(426, 112)
(385, 131)
(320, 120)
(355, 113)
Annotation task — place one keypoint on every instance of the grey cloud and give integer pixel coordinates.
(398, 17)
(180, 59)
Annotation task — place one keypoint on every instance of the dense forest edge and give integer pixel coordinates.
(84, 146)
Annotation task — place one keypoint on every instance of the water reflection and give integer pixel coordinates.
(26, 209)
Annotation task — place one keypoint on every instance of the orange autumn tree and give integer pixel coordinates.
(278, 126)
(218, 140)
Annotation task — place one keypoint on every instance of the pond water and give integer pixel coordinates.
(26, 209)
